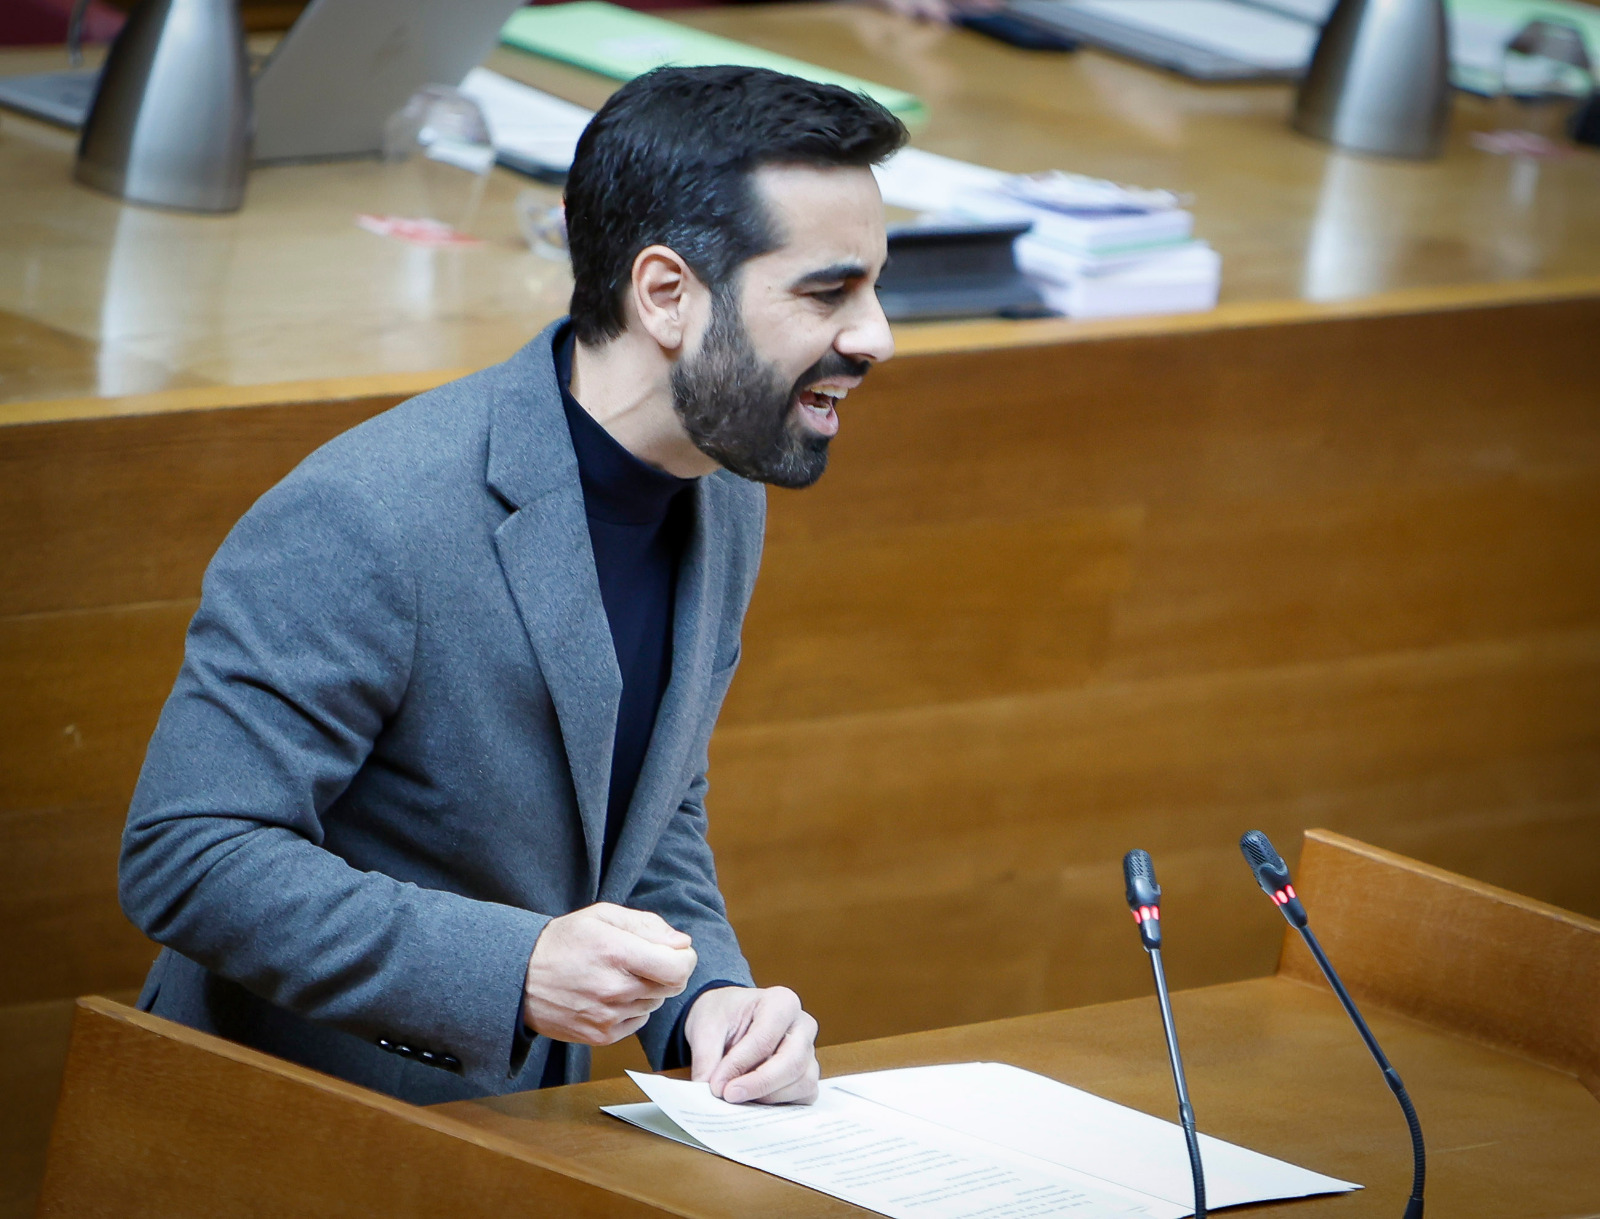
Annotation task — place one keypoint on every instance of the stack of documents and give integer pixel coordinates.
(968, 1140)
(1096, 249)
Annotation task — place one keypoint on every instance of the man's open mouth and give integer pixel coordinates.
(817, 406)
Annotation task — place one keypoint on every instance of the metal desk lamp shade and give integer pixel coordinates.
(1379, 80)
(171, 121)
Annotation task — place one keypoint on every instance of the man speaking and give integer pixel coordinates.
(425, 809)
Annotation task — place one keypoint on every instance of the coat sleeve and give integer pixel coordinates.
(299, 653)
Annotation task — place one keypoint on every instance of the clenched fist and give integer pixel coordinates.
(597, 974)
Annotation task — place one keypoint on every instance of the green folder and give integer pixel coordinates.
(622, 44)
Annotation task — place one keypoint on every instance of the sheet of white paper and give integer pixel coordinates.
(890, 1162)
(525, 120)
(647, 1115)
(927, 182)
(1253, 35)
(1076, 1129)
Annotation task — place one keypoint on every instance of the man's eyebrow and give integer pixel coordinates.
(834, 274)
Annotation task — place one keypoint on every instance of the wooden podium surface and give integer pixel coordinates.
(1273, 1064)
(159, 1120)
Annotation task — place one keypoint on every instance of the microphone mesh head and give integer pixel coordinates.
(1136, 865)
(1139, 880)
(1258, 852)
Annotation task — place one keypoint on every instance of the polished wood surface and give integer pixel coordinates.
(1272, 1064)
(1453, 952)
(35, 1036)
(161, 1121)
(101, 299)
(158, 1120)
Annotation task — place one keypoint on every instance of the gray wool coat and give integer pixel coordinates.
(384, 765)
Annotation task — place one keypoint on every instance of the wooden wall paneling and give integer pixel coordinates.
(1256, 525)
(59, 867)
(84, 688)
(1248, 414)
(1340, 573)
(1048, 604)
(127, 510)
(159, 1120)
(926, 866)
(1452, 951)
(909, 615)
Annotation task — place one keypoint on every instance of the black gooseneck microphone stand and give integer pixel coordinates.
(1144, 899)
(1272, 874)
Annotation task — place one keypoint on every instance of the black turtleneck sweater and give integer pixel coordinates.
(639, 520)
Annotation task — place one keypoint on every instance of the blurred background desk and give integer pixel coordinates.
(98, 299)
(1324, 556)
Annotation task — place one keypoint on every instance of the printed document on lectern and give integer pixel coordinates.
(967, 1140)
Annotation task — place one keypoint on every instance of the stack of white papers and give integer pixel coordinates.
(1096, 248)
(1182, 279)
(967, 1140)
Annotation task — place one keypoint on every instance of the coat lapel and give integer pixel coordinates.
(695, 619)
(548, 560)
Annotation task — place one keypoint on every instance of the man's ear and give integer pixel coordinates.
(664, 294)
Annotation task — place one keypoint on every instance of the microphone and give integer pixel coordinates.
(1144, 899)
(1272, 874)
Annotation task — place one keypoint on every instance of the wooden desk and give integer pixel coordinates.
(1272, 1064)
(159, 1120)
(101, 299)
(182, 1126)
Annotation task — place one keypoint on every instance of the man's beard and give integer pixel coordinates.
(740, 412)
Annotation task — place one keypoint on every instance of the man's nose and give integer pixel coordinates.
(868, 336)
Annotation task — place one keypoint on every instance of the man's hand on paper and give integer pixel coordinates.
(597, 974)
(753, 1045)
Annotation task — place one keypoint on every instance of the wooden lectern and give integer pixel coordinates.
(1488, 1004)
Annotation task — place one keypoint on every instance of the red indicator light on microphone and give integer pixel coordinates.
(1289, 889)
(1155, 913)
(1281, 898)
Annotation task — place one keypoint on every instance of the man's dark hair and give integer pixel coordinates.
(668, 160)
